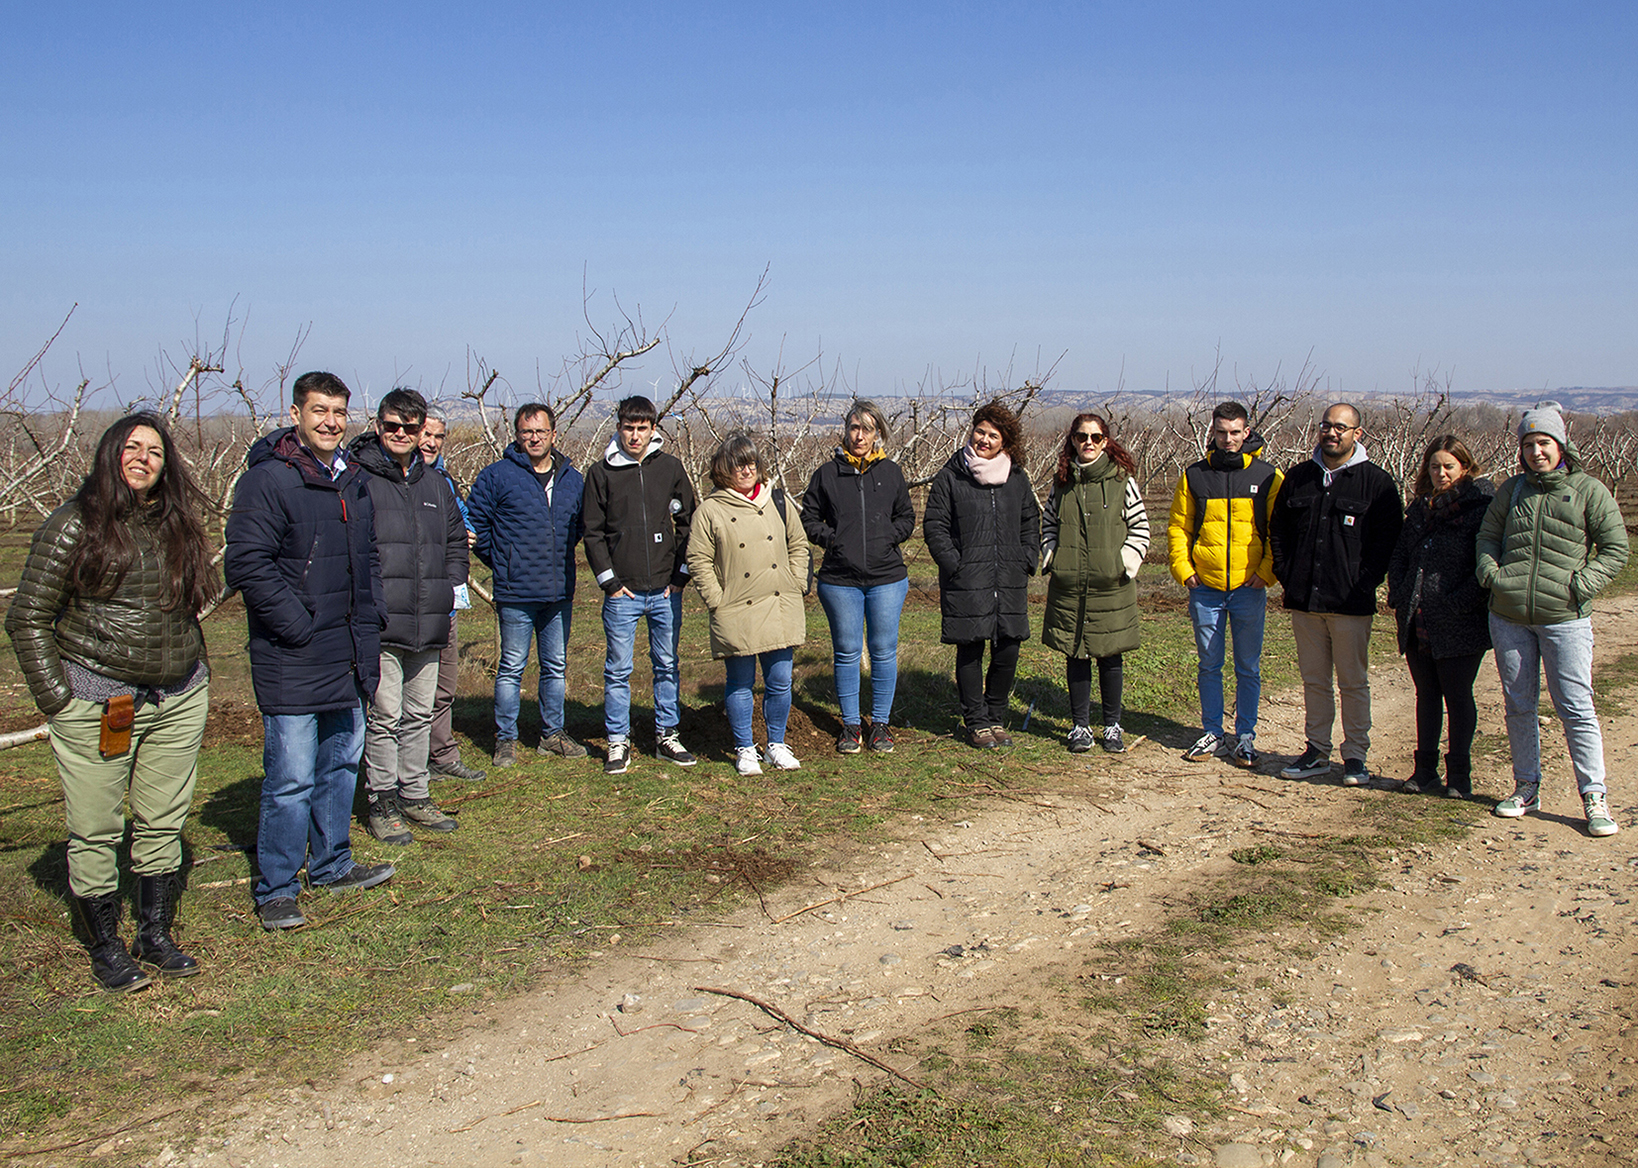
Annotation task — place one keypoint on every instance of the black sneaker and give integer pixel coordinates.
(1309, 764)
(881, 738)
(1081, 739)
(671, 749)
(280, 913)
(361, 876)
(1354, 773)
(850, 740)
(619, 759)
(456, 770)
(1113, 741)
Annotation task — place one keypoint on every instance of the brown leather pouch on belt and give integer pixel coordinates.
(117, 717)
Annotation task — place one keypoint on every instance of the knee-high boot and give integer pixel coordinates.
(156, 913)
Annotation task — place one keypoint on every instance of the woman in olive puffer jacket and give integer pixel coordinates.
(1551, 540)
(105, 625)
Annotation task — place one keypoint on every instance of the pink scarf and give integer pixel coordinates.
(990, 472)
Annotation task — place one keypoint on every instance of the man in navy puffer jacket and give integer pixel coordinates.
(302, 553)
(525, 508)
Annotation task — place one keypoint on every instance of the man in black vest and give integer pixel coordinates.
(1333, 530)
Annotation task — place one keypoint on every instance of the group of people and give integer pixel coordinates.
(353, 561)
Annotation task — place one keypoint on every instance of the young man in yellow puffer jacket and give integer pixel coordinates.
(1218, 545)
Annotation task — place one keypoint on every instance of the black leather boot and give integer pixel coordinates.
(156, 913)
(1425, 777)
(110, 963)
(1459, 775)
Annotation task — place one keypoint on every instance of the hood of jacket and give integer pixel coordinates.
(615, 455)
(1239, 459)
(1359, 455)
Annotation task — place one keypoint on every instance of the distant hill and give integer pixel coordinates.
(1577, 399)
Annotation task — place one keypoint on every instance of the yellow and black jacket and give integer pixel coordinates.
(1218, 528)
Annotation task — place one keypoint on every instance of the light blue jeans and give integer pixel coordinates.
(776, 694)
(548, 626)
(621, 615)
(1565, 653)
(1215, 614)
(851, 612)
(310, 771)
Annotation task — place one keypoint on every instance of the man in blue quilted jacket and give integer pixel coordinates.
(525, 509)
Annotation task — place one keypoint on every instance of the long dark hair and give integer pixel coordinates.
(1444, 444)
(109, 508)
(1071, 453)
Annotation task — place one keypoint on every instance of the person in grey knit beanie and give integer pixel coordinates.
(1547, 418)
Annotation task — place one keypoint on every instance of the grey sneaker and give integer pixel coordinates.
(561, 745)
(1206, 746)
(1599, 819)
(456, 770)
(1245, 753)
(385, 822)
(1113, 741)
(619, 759)
(1524, 798)
(506, 753)
(1080, 739)
(361, 876)
(671, 749)
(1309, 764)
(880, 738)
(1354, 773)
(850, 740)
(426, 814)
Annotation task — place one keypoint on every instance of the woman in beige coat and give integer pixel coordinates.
(749, 556)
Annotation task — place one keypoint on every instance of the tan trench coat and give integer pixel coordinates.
(750, 568)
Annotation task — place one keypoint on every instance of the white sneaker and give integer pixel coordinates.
(779, 755)
(747, 762)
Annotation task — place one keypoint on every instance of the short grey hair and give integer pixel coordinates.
(865, 408)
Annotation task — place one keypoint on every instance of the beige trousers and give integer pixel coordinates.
(1328, 643)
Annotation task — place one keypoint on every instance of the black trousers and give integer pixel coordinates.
(1444, 683)
(1111, 676)
(984, 695)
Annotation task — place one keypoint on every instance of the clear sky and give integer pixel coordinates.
(934, 186)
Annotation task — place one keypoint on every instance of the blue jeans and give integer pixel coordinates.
(1215, 613)
(310, 771)
(851, 611)
(548, 626)
(776, 694)
(620, 617)
(1564, 652)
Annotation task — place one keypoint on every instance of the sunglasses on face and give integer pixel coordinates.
(1088, 436)
(410, 428)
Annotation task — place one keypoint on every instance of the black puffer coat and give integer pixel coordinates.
(1431, 575)
(125, 636)
(421, 541)
(860, 519)
(986, 542)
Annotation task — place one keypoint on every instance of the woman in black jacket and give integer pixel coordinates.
(857, 507)
(983, 529)
(106, 628)
(1443, 623)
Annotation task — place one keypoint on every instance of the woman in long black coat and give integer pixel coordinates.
(1444, 628)
(982, 528)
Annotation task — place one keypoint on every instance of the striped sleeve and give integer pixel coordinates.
(1137, 530)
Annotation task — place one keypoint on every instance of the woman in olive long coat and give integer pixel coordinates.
(983, 529)
(1094, 535)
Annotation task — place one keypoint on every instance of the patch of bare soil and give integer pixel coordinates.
(1479, 1014)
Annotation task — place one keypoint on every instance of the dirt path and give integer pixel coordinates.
(1376, 1052)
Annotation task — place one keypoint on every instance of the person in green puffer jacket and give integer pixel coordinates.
(1094, 534)
(1551, 540)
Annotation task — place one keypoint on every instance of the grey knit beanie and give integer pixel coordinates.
(1547, 418)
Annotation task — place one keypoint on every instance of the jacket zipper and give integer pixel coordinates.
(864, 531)
(648, 533)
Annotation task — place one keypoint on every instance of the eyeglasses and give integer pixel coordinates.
(534, 433)
(410, 428)
(1338, 427)
(1089, 436)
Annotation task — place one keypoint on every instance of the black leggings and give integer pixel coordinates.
(1444, 683)
(984, 695)
(1110, 677)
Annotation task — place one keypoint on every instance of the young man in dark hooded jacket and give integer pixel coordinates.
(420, 539)
(639, 504)
(301, 551)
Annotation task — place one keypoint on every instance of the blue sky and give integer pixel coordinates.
(932, 186)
